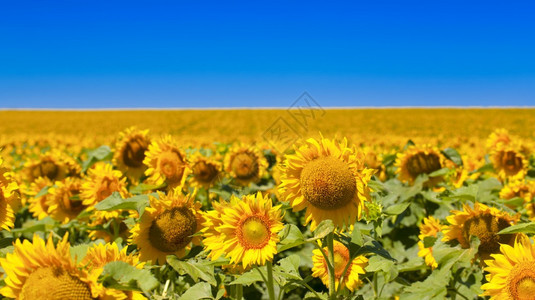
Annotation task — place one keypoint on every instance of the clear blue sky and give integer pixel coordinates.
(204, 54)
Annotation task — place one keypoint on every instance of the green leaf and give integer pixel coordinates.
(6, 242)
(323, 229)
(201, 290)
(356, 236)
(429, 241)
(250, 277)
(115, 202)
(128, 277)
(396, 209)
(453, 155)
(291, 237)
(142, 187)
(516, 201)
(42, 192)
(440, 172)
(194, 270)
(389, 159)
(380, 264)
(519, 228)
(373, 246)
(33, 226)
(99, 154)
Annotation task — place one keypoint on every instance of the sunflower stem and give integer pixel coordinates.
(332, 278)
(239, 291)
(269, 283)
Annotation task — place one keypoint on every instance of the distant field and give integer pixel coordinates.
(363, 126)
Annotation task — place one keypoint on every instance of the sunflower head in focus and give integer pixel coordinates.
(38, 204)
(327, 178)
(64, 202)
(430, 227)
(509, 162)
(167, 226)
(418, 160)
(130, 152)
(511, 272)
(481, 221)
(166, 163)
(36, 270)
(101, 181)
(212, 220)
(250, 228)
(341, 259)
(205, 171)
(245, 164)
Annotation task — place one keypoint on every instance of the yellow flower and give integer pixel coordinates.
(524, 189)
(250, 230)
(498, 138)
(64, 203)
(341, 260)
(429, 228)
(9, 193)
(205, 171)
(166, 163)
(101, 181)
(41, 271)
(509, 162)
(130, 152)
(245, 164)
(167, 226)
(212, 237)
(417, 160)
(54, 165)
(38, 206)
(511, 273)
(481, 221)
(328, 179)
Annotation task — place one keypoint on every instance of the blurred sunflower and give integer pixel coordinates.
(509, 162)
(245, 164)
(481, 221)
(206, 171)
(498, 138)
(328, 179)
(101, 181)
(511, 273)
(130, 151)
(250, 230)
(167, 226)
(430, 227)
(524, 189)
(9, 193)
(418, 160)
(115, 223)
(341, 260)
(166, 163)
(54, 165)
(36, 270)
(38, 205)
(64, 203)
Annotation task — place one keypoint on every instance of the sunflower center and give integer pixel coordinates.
(107, 187)
(54, 283)
(204, 172)
(245, 165)
(48, 169)
(134, 152)
(486, 227)
(254, 233)
(328, 183)
(521, 281)
(340, 262)
(511, 162)
(68, 204)
(172, 165)
(172, 230)
(423, 163)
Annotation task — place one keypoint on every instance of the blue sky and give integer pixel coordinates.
(97, 54)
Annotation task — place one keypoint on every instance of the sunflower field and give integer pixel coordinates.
(347, 204)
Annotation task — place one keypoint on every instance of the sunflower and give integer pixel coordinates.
(9, 193)
(130, 152)
(524, 189)
(166, 163)
(205, 171)
(418, 160)
(509, 162)
(38, 206)
(54, 165)
(245, 164)
(511, 273)
(430, 227)
(481, 221)
(64, 202)
(114, 221)
(36, 270)
(167, 226)
(341, 260)
(328, 179)
(100, 183)
(212, 237)
(250, 230)
(498, 138)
